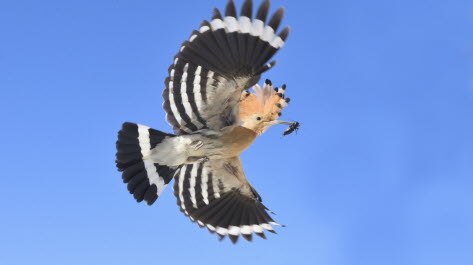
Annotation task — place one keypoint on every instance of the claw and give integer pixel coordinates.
(197, 144)
(203, 159)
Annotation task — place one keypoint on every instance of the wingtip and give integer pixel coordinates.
(216, 14)
(276, 18)
(262, 12)
(220, 237)
(230, 10)
(247, 9)
(233, 238)
(262, 235)
(248, 237)
(284, 33)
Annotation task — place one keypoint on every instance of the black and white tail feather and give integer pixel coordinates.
(224, 57)
(146, 180)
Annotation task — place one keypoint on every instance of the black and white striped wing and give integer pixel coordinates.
(216, 195)
(225, 56)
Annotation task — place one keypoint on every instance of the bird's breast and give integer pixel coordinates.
(237, 140)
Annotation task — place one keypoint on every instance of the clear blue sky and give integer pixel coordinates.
(381, 171)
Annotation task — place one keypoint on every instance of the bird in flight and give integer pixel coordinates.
(214, 117)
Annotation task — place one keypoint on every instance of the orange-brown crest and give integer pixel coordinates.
(266, 102)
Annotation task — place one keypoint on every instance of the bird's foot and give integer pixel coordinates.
(197, 159)
(203, 159)
(197, 144)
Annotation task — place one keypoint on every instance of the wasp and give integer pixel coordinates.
(293, 127)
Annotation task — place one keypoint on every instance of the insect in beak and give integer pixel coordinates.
(294, 127)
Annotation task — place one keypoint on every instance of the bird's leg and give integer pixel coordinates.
(197, 159)
(197, 144)
(203, 159)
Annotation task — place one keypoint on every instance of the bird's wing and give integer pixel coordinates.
(216, 195)
(220, 60)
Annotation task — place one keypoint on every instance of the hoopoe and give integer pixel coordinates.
(214, 117)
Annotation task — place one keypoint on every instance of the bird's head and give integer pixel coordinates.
(261, 109)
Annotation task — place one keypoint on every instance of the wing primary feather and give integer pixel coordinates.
(230, 10)
(232, 31)
(198, 44)
(242, 49)
(275, 20)
(233, 238)
(250, 46)
(266, 54)
(259, 220)
(245, 22)
(254, 42)
(259, 216)
(259, 47)
(265, 67)
(261, 234)
(279, 41)
(265, 215)
(267, 219)
(232, 39)
(262, 12)
(212, 213)
(216, 14)
(220, 36)
(217, 218)
(276, 44)
(284, 33)
(209, 40)
(248, 237)
(247, 9)
(245, 220)
(226, 218)
(203, 58)
(236, 218)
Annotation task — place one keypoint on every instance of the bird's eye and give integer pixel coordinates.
(258, 118)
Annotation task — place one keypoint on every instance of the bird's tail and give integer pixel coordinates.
(146, 179)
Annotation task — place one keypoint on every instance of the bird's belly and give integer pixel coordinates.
(217, 145)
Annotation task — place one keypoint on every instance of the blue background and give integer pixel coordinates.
(381, 171)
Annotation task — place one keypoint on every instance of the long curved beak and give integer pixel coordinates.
(270, 123)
